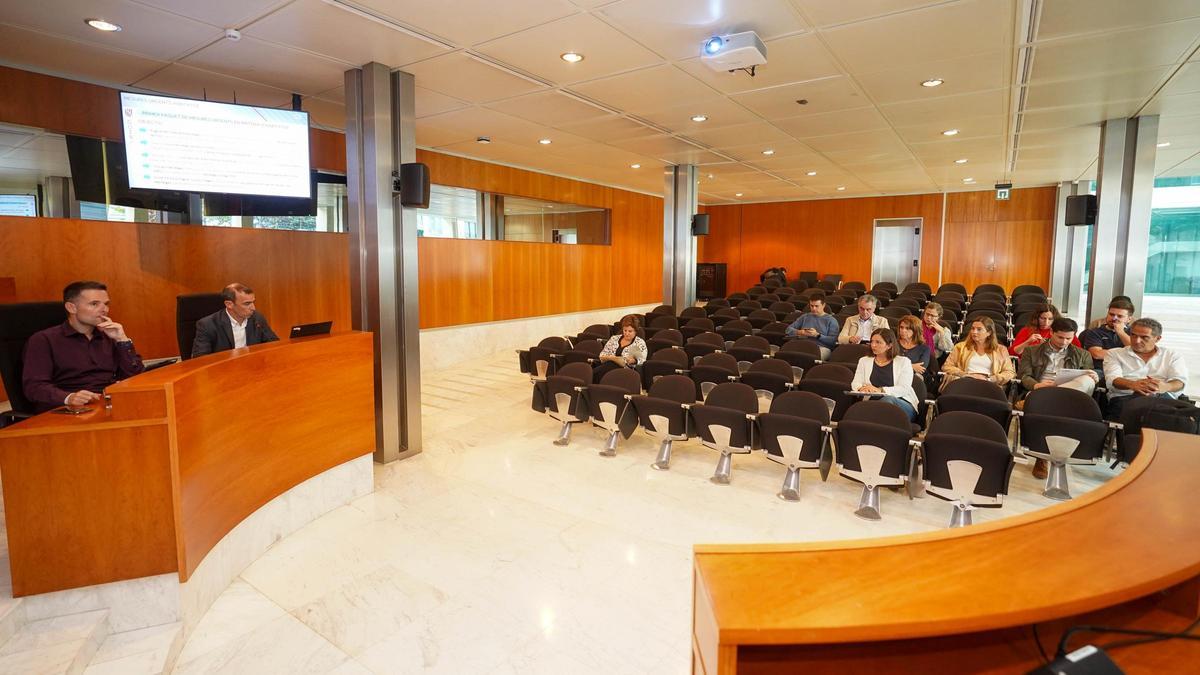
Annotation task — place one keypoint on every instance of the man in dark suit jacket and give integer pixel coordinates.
(238, 325)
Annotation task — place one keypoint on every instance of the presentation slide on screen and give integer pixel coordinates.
(199, 146)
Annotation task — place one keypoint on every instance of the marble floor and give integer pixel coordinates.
(495, 551)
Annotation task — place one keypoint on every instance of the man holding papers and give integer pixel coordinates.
(1056, 363)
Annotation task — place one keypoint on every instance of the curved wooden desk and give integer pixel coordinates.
(185, 453)
(965, 600)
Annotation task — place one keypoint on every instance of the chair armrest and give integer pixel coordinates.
(685, 406)
(580, 389)
(865, 394)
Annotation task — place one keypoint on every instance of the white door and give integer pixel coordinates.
(896, 252)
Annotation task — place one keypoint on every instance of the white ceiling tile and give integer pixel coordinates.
(655, 146)
(1140, 49)
(1174, 106)
(949, 111)
(470, 123)
(1088, 136)
(828, 95)
(826, 124)
(429, 102)
(197, 83)
(827, 13)
(788, 154)
(538, 50)
(1061, 18)
(976, 126)
(599, 154)
(13, 139)
(320, 27)
(1136, 84)
(604, 129)
(795, 58)
(962, 75)
(468, 79)
(1185, 81)
(690, 156)
(721, 112)
(877, 140)
(677, 28)
(222, 13)
(974, 150)
(325, 113)
(269, 64)
(922, 35)
(648, 89)
(740, 135)
(953, 174)
(1076, 116)
(548, 107)
(79, 59)
(470, 22)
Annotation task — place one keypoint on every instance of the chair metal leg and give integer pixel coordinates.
(960, 516)
(564, 436)
(868, 504)
(724, 467)
(790, 492)
(610, 448)
(1056, 482)
(663, 461)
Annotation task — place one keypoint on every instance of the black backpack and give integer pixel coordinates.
(1165, 414)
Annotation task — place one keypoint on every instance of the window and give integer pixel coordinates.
(527, 219)
(453, 213)
(1173, 260)
(331, 212)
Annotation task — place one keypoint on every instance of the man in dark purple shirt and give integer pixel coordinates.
(72, 363)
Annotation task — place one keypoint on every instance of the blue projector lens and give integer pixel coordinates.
(713, 45)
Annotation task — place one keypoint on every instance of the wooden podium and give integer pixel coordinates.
(151, 482)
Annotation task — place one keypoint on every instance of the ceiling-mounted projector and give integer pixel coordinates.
(740, 51)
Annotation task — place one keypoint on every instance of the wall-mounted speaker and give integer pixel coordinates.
(413, 185)
(1081, 210)
(699, 224)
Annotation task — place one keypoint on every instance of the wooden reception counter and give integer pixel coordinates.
(184, 454)
(967, 601)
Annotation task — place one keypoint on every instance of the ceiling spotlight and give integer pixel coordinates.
(571, 57)
(713, 45)
(768, 153)
(635, 166)
(841, 188)
(101, 24)
(737, 194)
(483, 139)
(950, 132)
(710, 176)
(545, 141)
(811, 173)
(1163, 144)
(968, 179)
(961, 161)
(699, 118)
(933, 82)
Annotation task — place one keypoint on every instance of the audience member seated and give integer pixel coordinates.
(1104, 319)
(858, 328)
(816, 325)
(1038, 330)
(887, 372)
(912, 344)
(238, 325)
(980, 356)
(934, 334)
(1112, 334)
(1143, 368)
(72, 363)
(1041, 365)
(625, 350)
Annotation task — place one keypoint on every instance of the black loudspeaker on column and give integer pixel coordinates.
(413, 185)
(1081, 210)
(699, 224)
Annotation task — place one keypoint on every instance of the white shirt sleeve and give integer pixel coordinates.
(1176, 368)
(862, 373)
(1113, 369)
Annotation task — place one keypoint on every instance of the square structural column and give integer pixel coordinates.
(380, 136)
(1124, 187)
(679, 244)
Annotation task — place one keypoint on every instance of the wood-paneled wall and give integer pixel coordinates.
(999, 242)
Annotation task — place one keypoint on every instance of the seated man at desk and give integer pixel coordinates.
(238, 325)
(72, 363)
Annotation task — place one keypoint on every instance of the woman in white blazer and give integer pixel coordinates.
(886, 372)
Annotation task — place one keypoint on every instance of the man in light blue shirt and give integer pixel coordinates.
(816, 325)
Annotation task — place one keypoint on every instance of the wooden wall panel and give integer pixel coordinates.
(1002, 242)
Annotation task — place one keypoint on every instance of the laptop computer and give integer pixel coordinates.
(307, 329)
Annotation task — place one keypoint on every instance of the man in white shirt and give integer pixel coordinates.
(237, 325)
(1143, 368)
(858, 328)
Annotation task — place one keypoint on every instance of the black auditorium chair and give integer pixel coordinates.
(704, 344)
(857, 286)
(662, 310)
(1028, 288)
(1028, 300)
(738, 328)
(830, 381)
(775, 332)
(695, 327)
(540, 361)
(610, 408)
(18, 322)
(989, 304)
(660, 322)
(835, 278)
(954, 288)
(835, 305)
(910, 304)
(847, 356)
(749, 348)
(800, 352)
(798, 285)
(189, 309)
(791, 318)
(782, 309)
(725, 315)
(667, 338)
(661, 363)
(768, 299)
(845, 313)
(772, 283)
(755, 291)
(891, 288)
(967, 462)
(712, 370)
(809, 277)
(1065, 427)
(925, 288)
(827, 286)
(746, 306)
(770, 378)
(872, 448)
(735, 298)
(596, 331)
(989, 288)
(690, 313)
(664, 413)
(785, 292)
(846, 295)
(564, 397)
(584, 351)
(725, 423)
(795, 433)
(713, 305)
(893, 312)
(968, 394)
(761, 317)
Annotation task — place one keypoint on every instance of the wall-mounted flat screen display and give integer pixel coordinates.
(18, 205)
(200, 146)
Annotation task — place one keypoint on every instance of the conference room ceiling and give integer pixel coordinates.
(1026, 82)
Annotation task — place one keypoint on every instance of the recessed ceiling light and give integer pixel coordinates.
(545, 141)
(101, 24)
(811, 173)
(933, 82)
(968, 179)
(635, 166)
(768, 152)
(950, 132)
(841, 187)
(737, 194)
(710, 176)
(961, 161)
(699, 118)
(571, 57)
(1163, 144)
(483, 139)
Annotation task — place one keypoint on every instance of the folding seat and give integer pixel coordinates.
(809, 277)
(781, 309)
(713, 305)
(834, 278)
(667, 310)
(873, 449)
(704, 344)
(955, 288)
(596, 331)
(562, 397)
(785, 292)
(989, 288)
(1022, 317)
(712, 370)
(795, 433)
(610, 408)
(692, 313)
(891, 288)
(988, 301)
(834, 305)
(844, 313)
(775, 332)
(766, 299)
(664, 413)
(732, 330)
(893, 312)
(953, 301)
(584, 351)
(831, 381)
(660, 322)
(857, 286)
(1026, 307)
(1028, 288)
(770, 378)
(735, 298)
(542, 360)
(725, 423)
(695, 327)
(792, 316)
(725, 315)
(761, 317)
(847, 295)
(667, 338)
(746, 306)
(911, 304)
(967, 462)
(798, 285)
(919, 286)
(754, 291)
(663, 362)
(847, 356)
(772, 283)
(749, 348)
(827, 286)
(968, 394)
(800, 352)
(998, 317)
(1065, 427)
